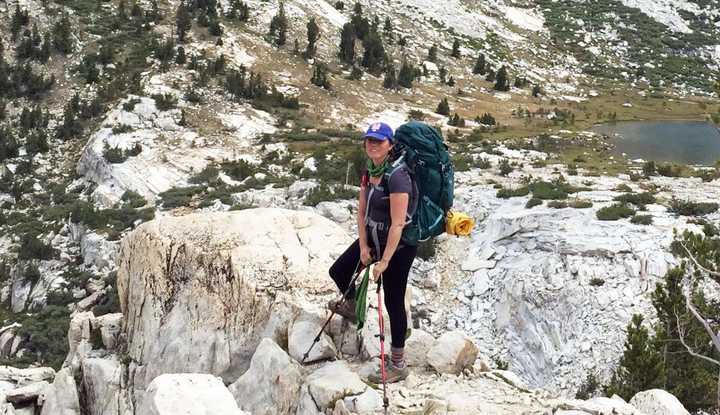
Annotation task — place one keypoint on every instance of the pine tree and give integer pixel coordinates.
(502, 82)
(390, 81)
(692, 380)
(313, 34)
(320, 76)
(180, 58)
(456, 121)
(374, 56)
(443, 74)
(214, 27)
(136, 11)
(19, 19)
(451, 81)
(641, 367)
(347, 43)
(490, 75)
(356, 73)
(154, 15)
(443, 108)
(122, 13)
(361, 24)
(479, 68)
(183, 22)
(62, 37)
(279, 27)
(432, 54)
(455, 49)
(403, 42)
(388, 30)
(407, 74)
(536, 91)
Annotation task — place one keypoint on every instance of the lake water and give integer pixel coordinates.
(688, 142)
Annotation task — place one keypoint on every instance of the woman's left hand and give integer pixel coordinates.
(378, 268)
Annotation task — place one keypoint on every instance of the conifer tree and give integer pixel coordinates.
(390, 81)
(374, 56)
(443, 74)
(502, 83)
(432, 54)
(361, 24)
(443, 108)
(180, 58)
(407, 74)
(183, 21)
(641, 367)
(62, 38)
(388, 30)
(451, 81)
(479, 68)
(402, 42)
(279, 26)
(490, 75)
(455, 49)
(536, 91)
(320, 76)
(313, 34)
(347, 43)
(19, 19)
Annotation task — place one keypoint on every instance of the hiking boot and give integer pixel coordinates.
(393, 374)
(344, 308)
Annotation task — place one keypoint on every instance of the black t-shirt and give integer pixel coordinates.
(379, 200)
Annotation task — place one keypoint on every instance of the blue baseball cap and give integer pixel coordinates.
(379, 131)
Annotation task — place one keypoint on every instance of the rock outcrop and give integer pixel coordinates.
(188, 394)
(272, 383)
(199, 292)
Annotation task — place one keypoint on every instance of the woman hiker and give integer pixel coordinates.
(381, 219)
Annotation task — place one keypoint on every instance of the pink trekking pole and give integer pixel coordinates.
(381, 323)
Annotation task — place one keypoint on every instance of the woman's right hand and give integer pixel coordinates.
(365, 256)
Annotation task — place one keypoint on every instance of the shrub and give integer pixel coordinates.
(206, 175)
(165, 102)
(649, 168)
(597, 282)
(508, 193)
(483, 163)
(637, 199)
(580, 204)
(505, 167)
(32, 248)
(114, 155)
(121, 128)
(589, 386)
(547, 191)
(133, 199)
(557, 204)
(110, 302)
(238, 169)
(324, 193)
(641, 219)
(533, 202)
(688, 208)
(669, 170)
(615, 212)
(130, 105)
(178, 196)
(622, 187)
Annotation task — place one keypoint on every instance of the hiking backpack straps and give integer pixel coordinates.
(426, 157)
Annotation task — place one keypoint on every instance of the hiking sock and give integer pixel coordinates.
(397, 357)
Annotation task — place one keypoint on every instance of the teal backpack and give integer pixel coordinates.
(421, 148)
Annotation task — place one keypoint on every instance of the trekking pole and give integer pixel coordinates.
(342, 300)
(381, 323)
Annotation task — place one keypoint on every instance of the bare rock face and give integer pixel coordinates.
(659, 402)
(61, 398)
(199, 292)
(452, 352)
(188, 394)
(271, 385)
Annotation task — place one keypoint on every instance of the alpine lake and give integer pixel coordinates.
(686, 142)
